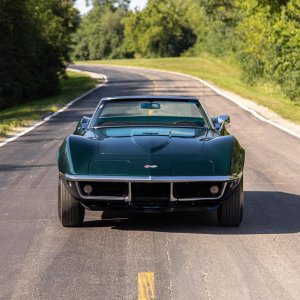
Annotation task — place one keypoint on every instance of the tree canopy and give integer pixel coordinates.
(101, 32)
(35, 44)
(159, 30)
(38, 35)
(263, 36)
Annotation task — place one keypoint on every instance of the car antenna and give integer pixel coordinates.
(202, 77)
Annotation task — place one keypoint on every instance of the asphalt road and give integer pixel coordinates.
(189, 255)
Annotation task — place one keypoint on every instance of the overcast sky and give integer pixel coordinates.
(80, 4)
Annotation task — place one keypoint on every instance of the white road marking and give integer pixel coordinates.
(220, 92)
(238, 100)
(61, 110)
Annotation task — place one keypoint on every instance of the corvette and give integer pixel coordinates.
(151, 154)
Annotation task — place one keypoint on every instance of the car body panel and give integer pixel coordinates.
(151, 153)
(211, 157)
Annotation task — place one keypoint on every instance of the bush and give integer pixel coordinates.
(34, 46)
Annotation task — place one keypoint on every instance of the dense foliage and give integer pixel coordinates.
(268, 38)
(159, 30)
(101, 32)
(262, 36)
(35, 43)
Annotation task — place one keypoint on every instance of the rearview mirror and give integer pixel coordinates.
(150, 105)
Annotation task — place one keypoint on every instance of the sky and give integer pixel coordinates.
(80, 4)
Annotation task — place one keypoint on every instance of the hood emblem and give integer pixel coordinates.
(150, 166)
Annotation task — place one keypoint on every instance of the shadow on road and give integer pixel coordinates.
(265, 213)
(18, 167)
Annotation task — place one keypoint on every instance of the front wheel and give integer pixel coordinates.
(70, 212)
(230, 213)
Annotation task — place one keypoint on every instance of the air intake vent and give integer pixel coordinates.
(150, 194)
(185, 190)
(117, 189)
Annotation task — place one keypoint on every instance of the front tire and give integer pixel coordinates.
(230, 213)
(70, 212)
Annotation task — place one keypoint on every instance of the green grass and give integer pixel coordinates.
(224, 74)
(71, 86)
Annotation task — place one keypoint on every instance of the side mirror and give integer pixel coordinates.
(220, 121)
(85, 122)
(223, 119)
(82, 125)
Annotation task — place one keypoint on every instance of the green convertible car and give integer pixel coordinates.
(151, 154)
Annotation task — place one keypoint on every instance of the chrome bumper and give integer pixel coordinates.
(149, 179)
(233, 180)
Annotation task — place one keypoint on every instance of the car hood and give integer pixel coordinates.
(150, 145)
(149, 155)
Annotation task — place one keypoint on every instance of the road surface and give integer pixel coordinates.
(185, 256)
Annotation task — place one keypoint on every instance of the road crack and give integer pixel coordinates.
(170, 287)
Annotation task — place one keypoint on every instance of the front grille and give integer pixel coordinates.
(153, 190)
(111, 189)
(185, 190)
(150, 194)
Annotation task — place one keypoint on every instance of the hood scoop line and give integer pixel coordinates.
(151, 142)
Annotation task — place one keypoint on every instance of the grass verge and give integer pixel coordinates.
(22, 115)
(224, 74)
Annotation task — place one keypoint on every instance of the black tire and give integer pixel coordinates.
(230, 213)
(70, 212)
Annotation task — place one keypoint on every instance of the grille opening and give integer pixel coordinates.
(117, 189)
(196, 189)
(150, 194)
(152, 190)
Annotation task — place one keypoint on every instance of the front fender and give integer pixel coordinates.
(226, 154)
(237, 158)
(75, 153)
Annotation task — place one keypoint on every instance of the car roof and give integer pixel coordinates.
(150, 97)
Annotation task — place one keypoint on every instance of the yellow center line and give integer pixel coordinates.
(146, 287)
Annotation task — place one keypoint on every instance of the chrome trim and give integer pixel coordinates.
(235, 182)
(149, 179)
(109, 198)
(200, 199)
(172, 198)
(128, 199)
(207, 115)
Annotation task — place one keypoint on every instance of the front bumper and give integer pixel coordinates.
(171, 201)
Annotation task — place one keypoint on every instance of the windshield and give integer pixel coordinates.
(154, 108)
(157, 131)
(154, 111)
